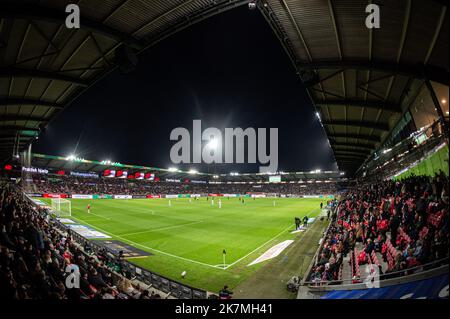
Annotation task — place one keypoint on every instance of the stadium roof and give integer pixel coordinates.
(361, 80)
(44, 66)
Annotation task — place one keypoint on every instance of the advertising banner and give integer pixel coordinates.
(123, 197)
(153, 196)
(34, 195)
(102, 196)
(121, 174)
(139, 175)
(82, 174)
(171, 196)
(34, 170)
(231, 195)
(139, 196)
(258, 195)
(54, 195)
(109, 173)
(82, 196)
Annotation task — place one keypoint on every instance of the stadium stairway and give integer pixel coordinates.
(346, 269)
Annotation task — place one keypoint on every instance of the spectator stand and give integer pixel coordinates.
(134, 278)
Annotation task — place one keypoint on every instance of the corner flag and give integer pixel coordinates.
(224, 252)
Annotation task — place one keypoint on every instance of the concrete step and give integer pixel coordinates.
(346, 269)
(384, 265)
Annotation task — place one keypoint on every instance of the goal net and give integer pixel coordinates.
(61, 206)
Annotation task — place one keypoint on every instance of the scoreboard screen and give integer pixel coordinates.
(275, 179)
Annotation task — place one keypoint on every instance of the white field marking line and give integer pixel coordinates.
(162, 228)
(153, 249)
(276, 236)
(107, 218)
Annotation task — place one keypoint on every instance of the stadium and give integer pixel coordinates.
(354, 96)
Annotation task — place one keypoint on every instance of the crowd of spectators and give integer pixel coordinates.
(405, 222)
(36, 258)
(104, 185)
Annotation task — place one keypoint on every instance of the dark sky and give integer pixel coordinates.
(228, 71)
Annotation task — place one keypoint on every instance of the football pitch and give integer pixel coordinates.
(184, 235)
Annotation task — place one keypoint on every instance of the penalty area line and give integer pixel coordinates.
(150, 248)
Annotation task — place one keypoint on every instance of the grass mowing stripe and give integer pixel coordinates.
(100, 216)
(162, 228)
(137, 244)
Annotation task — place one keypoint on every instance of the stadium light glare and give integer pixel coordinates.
(318, 116)
(216, 176)
(71, 157)
(213, 144)
(172, 169)
(192, 171)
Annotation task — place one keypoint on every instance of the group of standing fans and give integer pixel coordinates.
(405, 222)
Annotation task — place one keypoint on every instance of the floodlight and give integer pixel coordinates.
(172, 169)
(213, 144)
(71, 157)
(193, 171)
(318, 115)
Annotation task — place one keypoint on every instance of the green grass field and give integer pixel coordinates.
(191, 236)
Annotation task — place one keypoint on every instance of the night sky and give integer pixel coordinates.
(229, 71)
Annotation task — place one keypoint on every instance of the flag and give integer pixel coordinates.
(224, 252)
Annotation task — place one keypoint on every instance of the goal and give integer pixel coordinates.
(62, 207)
